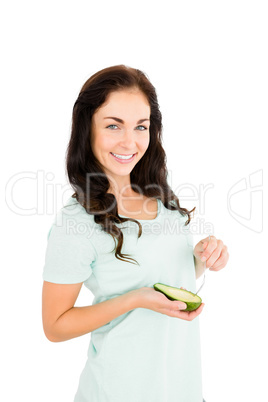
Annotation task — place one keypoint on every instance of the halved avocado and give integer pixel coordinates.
(192, 300)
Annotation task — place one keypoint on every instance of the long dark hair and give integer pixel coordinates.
(149, 176)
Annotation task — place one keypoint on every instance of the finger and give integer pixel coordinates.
(221, 261)
(190, 315)
(175, 305)
(187, 315)
(206, 247)
(211, 244)
(180, 306)
(212, 252)
(205, 242)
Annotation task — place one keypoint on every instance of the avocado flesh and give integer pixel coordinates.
(192, 300)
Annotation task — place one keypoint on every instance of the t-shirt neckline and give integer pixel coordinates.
(147, 220)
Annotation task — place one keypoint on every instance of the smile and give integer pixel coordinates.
(123, 158)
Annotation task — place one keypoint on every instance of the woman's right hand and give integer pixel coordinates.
(154, 300)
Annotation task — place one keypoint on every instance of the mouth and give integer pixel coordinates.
(123, 158)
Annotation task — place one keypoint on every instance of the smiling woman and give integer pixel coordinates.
(117, 167)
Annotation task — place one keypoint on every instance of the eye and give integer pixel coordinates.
(112, 125)
(144, 128)
(140, 128)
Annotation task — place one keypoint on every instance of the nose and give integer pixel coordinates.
(128, 140)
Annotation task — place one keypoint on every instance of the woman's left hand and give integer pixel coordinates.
(214, 252)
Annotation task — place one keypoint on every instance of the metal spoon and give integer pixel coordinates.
(204, 275)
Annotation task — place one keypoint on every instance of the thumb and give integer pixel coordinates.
(181, 306)
(205, 245)
(199, 248)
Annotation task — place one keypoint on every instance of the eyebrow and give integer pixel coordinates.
(122, 121)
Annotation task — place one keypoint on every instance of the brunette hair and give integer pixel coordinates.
(149, 176)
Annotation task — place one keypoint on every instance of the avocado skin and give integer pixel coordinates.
(191, 306)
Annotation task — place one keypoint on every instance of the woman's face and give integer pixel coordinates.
(121, 126)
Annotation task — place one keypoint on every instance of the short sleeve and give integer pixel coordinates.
(186, 230)
(69, 253)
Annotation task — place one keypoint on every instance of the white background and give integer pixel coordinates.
(208, 62)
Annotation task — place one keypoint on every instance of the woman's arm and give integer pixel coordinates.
(62, 321)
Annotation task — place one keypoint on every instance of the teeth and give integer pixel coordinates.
(122, 156)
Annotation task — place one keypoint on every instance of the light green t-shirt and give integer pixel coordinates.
(141, 356)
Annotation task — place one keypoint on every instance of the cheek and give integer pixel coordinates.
(108, 143)
(144, 142)
(104, 142)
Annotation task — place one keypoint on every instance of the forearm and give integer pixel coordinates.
(79, 321)
(199, 267)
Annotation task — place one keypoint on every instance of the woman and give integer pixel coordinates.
(122, 231)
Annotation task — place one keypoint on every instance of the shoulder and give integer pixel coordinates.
(72, 220)
(74, 212)
(174, 213)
